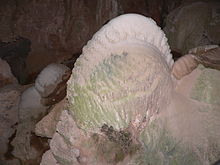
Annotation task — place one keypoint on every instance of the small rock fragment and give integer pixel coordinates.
(47, 126)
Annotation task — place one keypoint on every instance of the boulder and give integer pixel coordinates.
(47, 126)
(63, 142)
(30, 106)
(51, 83)
(118, 84)
(123, 107)
(193, 24)
(26, 146)
(107, 87)
(50, 77)
(208, 55)
(6, 77)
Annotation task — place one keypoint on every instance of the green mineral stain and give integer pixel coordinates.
(207, 87)
(62, 160)
(159, 147)
(94, 104)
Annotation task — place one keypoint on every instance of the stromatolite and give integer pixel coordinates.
(120, 76)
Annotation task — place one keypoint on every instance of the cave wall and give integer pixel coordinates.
(58, 29)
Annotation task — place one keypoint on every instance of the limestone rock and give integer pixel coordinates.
(9, 100)
(30, 105)
(70, 145)
(64, 142)
(207, 88)
(188, 132)
(102, 90)
(21, 143)
(202, 49)
(208, 55)
(26, 146)
(65, 126)
(6, 76)
(51, 83)
(56, 97)
(161, 147)
(184, 66)
(118, 81)
(184, 133)
(194, 114)
(49, 78)
(47, 126)
(63, 151)
(193, 24)
(48, 159)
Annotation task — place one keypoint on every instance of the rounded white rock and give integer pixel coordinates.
(49, 78)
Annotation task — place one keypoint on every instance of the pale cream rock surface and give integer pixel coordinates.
(123, 69)
(192, 130)
(48, 159)
(63, 143)
(190, 123)
(30, 105)
(193, 115)
(47, 126)
(133, 48)
(50, 77)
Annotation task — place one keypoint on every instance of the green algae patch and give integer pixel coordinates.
(207, 87)
(93, 103)
(117, 89)
(90, 114)
(160, 148)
